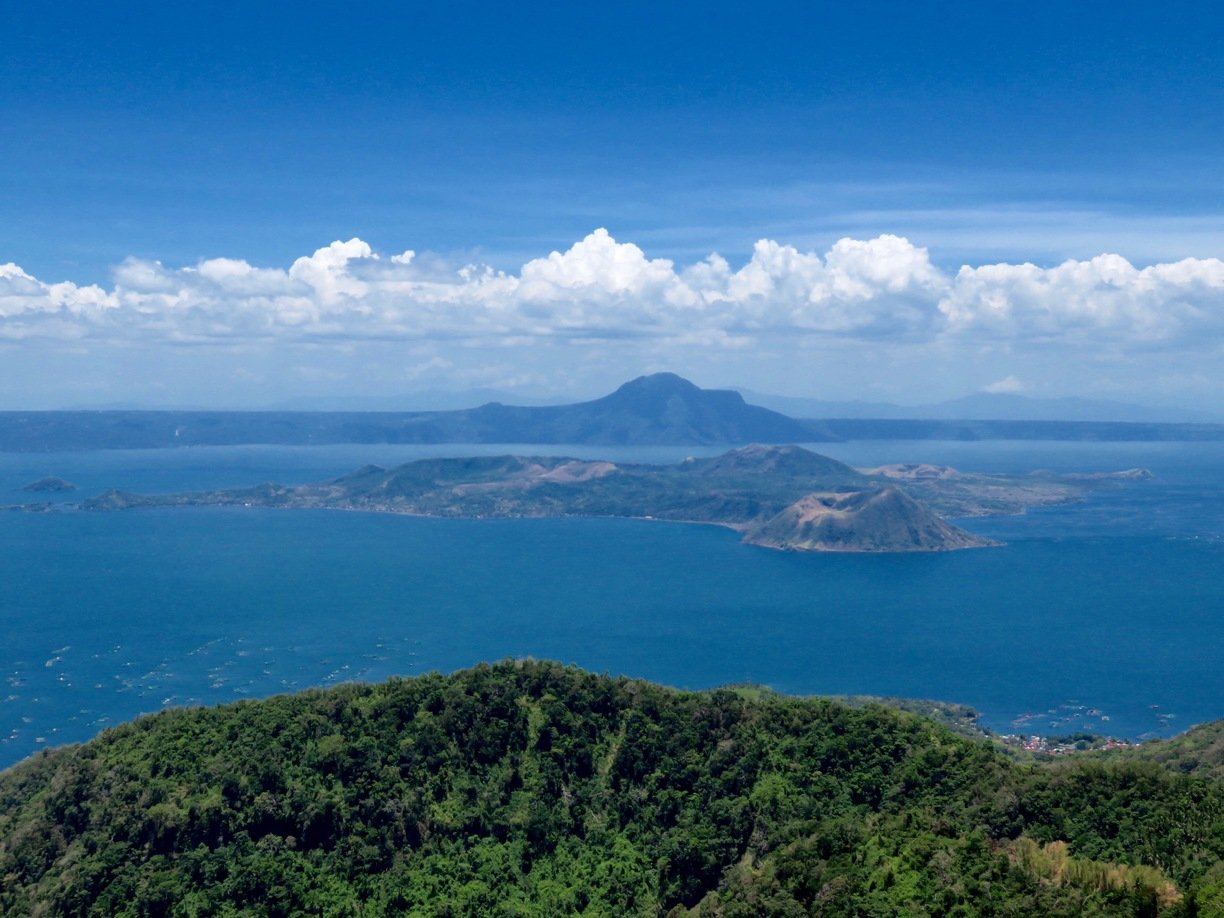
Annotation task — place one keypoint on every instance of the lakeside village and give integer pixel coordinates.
(1084, 739)
(1063, 745)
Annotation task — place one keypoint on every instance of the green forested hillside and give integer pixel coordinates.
(1200, 750)
(536, 789)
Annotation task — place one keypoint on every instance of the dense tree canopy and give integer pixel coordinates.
(537, 789)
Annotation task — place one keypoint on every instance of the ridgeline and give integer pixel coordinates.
(657, 410)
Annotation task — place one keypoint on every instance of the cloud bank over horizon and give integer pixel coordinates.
(875, 290)
(873, 318)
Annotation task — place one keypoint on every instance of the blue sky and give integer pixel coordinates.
(173, 135)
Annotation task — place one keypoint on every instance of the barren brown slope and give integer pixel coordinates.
(884, 519)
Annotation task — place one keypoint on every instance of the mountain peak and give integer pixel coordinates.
(666, 408)
(666, 385)
(791, 460)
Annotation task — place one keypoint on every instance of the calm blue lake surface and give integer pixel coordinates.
(1106, 615)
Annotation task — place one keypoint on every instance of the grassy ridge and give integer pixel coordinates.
(537, 789)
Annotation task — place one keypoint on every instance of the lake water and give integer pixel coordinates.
(1106, 615)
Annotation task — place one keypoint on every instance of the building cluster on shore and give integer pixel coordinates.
(1063, 745)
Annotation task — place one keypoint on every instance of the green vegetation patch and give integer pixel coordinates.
(537, 789)
(1200, 750)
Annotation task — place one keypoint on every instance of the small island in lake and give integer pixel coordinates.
(49, 485)
(783, 497)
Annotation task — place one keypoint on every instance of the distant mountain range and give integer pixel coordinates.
(419, 400)
(661, 409)
(996, 406)
(982, 406)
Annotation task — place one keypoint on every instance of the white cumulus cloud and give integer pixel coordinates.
(873, 289)
(1106, 296)
(29, 307)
